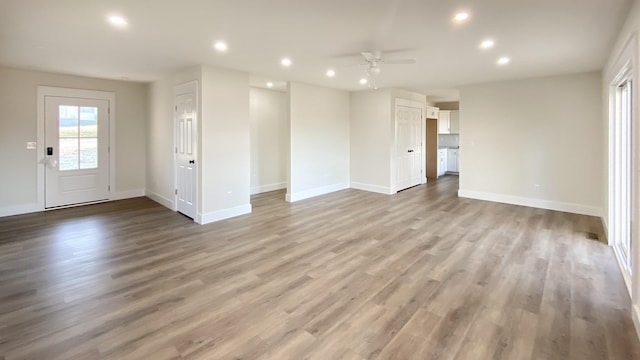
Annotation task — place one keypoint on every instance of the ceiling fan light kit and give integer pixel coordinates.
(373, 60)
(374, 70)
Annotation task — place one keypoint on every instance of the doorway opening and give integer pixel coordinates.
(269, 140)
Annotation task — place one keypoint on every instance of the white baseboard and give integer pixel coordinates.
(20, 209)
(605, 227)
(223, 214)
(530, 202)
(269, 187)
(316, 192)
(164, 201)
(120, 195)
(371, 188)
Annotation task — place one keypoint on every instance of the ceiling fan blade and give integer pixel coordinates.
(354, 64)
(367, 55)
(400, 61)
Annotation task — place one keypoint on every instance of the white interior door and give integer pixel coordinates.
(408, 146)
(76, 151)
(186, 135)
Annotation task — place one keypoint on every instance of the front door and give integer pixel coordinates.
(186, 131)
(408, 146)
(76, 151)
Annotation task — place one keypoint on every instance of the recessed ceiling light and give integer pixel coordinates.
(269, 84)
(117, 20)
(221, 46)
(331, 73)
(461, 16)
(504, 60)
(487, 44)
(363, 81)
(286, 62)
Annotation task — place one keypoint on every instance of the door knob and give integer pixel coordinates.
(192, 161)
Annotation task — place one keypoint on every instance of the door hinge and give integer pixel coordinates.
(108, 187)
(176, 192)
(176, 149)
(176, 108)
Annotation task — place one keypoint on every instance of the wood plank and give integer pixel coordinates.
(348, 275)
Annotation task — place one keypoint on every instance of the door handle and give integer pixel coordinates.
(410, 151)
(192, 161)
(49, 162)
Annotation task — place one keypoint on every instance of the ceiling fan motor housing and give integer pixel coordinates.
(374, 69)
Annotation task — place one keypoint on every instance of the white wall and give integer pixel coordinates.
(269, 137)
(373, 137)
(319, 131)
(223, 142)
(543, 131)
(628, 36)
(160, 171)
(18, 123)
(408, 95)
(224, 150)
(369, 141)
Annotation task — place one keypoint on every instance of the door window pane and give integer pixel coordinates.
(88, 153)
(68, 154)
(88, 121)
(78, 135)
(68, 116)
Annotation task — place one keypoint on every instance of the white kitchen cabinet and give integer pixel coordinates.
(432, 112)
(454, 122)
(444, 123)
(449, 122)
(452, 160)
(442, 161)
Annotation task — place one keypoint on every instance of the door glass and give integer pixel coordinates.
(68, 133)
(68, 121)
(88, 153)
(78, 137)
(68, 154)
(89, 122)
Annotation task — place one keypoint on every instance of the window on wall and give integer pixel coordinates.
(620, 174)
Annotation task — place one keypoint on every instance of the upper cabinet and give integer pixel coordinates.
(432, 112)
(444, 119)
(449, 122)
(454, 123)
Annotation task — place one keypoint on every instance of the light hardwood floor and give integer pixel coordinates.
(349, 275)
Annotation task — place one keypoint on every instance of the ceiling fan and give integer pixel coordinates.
(373, 60)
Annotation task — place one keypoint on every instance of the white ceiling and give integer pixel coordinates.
(543, 37)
